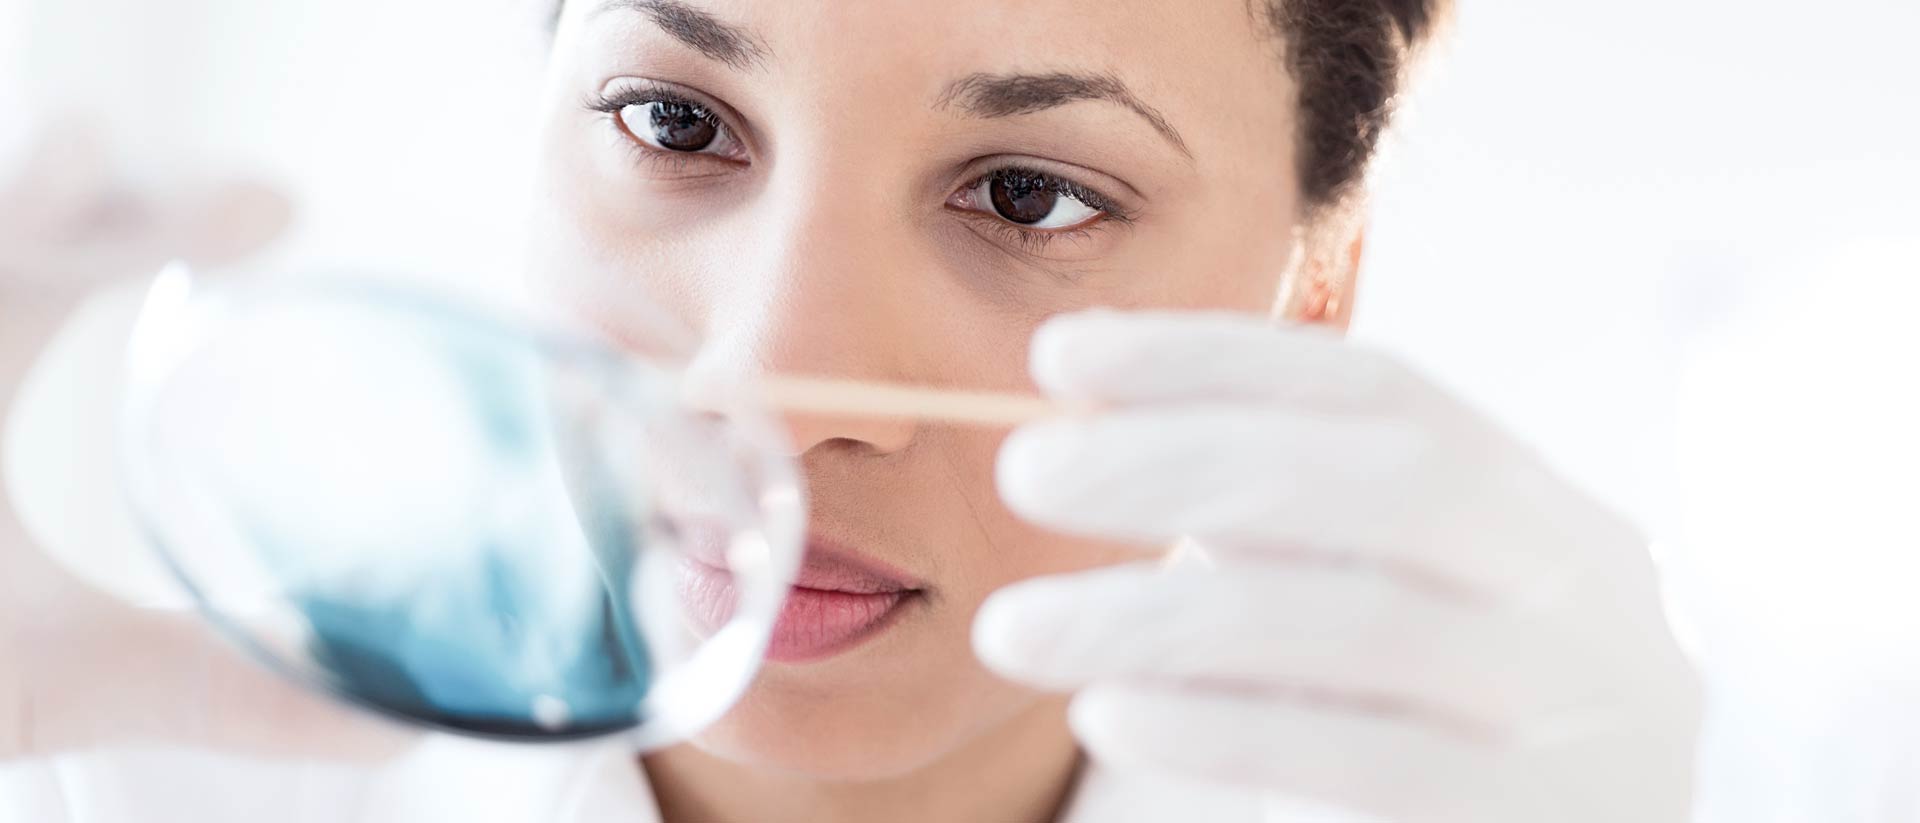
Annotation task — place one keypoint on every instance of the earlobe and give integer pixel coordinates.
(1320, 303)
(1320, 291)
(1340, 315)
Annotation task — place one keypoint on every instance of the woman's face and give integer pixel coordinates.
(902, 191)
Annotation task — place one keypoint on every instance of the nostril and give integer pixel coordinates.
(817, 433)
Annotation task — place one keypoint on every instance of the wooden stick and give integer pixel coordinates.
(859, 398)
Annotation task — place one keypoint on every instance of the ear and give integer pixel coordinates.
(1320, 288)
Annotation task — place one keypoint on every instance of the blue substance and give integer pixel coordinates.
(455, 671)
(491, 631)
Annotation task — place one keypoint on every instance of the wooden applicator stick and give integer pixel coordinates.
(857, 398)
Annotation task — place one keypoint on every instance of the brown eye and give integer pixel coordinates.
(1031, 200)
(675, 126)
(680, 127)
(1021, 200)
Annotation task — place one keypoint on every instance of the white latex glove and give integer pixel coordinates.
(1406, 613)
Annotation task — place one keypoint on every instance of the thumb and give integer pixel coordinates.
(73, 218)
(223, 222)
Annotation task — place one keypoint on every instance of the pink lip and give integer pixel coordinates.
(838, 600)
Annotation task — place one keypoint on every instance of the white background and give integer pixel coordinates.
(1672, 243)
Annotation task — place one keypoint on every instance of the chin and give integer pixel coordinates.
(865, 716)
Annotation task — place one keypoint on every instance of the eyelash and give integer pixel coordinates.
(611, 104)
(1038, 239)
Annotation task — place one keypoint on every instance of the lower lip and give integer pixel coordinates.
(814, 624)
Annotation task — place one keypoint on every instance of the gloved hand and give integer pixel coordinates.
(79, 668)
(71, 218)
(1402, 610)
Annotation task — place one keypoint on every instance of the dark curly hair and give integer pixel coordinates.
(1349, 59)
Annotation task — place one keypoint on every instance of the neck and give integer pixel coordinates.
(1023, 770)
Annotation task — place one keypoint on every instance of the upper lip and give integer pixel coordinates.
(830, 566)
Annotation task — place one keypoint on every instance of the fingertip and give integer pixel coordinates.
(235, 220)
(996, 634)
(1028, 464)
(1091, 706)
(1018, 634)
(1098, 716)
(1059, 351)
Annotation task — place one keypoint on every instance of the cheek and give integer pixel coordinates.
(601, 253)
(1220, 256)
(1004, 549)
(1034, 552)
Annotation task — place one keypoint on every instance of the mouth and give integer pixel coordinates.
(839, 601)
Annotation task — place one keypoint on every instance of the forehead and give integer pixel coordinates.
(1209, 65)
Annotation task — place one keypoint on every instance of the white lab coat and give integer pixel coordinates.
(453, 779)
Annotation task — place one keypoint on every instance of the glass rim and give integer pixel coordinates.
(177, 319)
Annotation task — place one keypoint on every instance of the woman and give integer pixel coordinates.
(1383, 602)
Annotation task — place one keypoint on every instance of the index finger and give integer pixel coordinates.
(1145, 357)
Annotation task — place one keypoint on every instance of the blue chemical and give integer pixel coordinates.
(516, 621)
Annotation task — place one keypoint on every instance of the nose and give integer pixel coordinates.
(818, 297)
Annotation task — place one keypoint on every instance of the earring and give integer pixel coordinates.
(1321, 302)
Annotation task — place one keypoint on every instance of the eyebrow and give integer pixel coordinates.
(1008, 95)
(698, 30)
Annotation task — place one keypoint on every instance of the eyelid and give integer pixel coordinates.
(621, 92)
(1122, 201)
(1118, 190)
(1034, 243)
(1030, 242)
(1110, 208)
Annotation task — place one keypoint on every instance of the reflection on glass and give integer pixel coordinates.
(452, 518)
